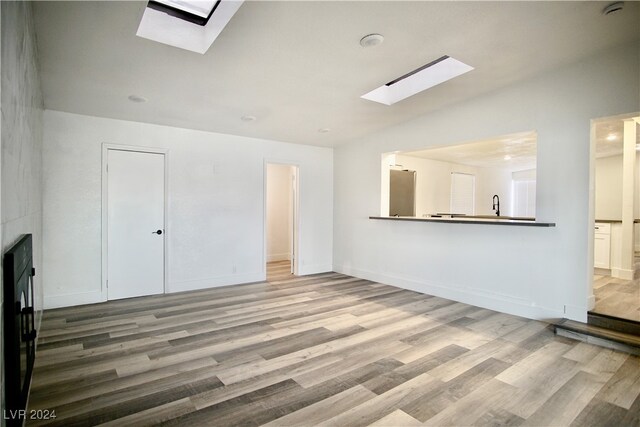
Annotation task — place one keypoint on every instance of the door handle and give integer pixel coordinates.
(157, 232)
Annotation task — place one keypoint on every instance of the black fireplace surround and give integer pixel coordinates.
(19, 328)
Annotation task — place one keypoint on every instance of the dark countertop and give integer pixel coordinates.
(462, 220)
(515, 218)
(615, 221)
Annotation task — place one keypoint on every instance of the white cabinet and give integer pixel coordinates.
(602, 246)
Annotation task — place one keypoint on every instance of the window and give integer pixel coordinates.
(524, 198)
(463, 193)
(463, 178)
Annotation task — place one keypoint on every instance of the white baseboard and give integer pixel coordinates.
(214, 282)
(622, 273)
(577, 313)
(493, 301)
(286, 256)
(69, 300)
(304, 270)
(591, 302)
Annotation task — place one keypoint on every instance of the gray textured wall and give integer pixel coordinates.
(21, 135)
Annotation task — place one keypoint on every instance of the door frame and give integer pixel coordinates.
(105, 204)
(295, 254)
(591, 299)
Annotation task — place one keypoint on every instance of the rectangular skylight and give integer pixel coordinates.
(200, 8)
(423, 78)
(183, 29)
(196, 12)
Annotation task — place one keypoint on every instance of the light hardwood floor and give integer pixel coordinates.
(616, 297)
(279, 270)
(326, 349)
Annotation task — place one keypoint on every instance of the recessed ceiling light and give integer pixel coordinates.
(422, 78)
(612, 137)
(371, 40)
(248, 118)
(324, 130)
(136, 98)
(507, 157)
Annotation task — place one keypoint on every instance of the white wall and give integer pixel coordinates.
(528, 271)
(608, 197)
(279, 212)
(215, 226)
(524, 175)
(608, 187)
(21, 136)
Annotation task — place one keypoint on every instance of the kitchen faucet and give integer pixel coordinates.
(496, 204)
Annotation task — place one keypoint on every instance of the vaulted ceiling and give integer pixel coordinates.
(298, 67)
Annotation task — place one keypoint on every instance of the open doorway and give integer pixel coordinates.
(281, 219)
(616, 228)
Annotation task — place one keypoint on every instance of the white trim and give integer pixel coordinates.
(213, 282)
(576, 312)
(68, 300)
(296, 217)
(305, 270)
(105, 149)
(493, 301)
(622, 273)
(285, 256)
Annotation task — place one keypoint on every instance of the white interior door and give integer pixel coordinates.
(294, 218)
(135, 224)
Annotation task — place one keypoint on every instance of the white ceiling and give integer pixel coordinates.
(297, 66)
(611, 126)
(490, 153)
(522, 147)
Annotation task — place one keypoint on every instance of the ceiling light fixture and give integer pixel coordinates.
(422, 78)
(371, 40)
(248, 118)
(324, 130)
(507, 157)
(613, 7)
(136, 98)
(612, 137)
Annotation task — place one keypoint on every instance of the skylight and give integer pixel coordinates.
(190, 25)
(200, 8)
(196, 11)
(422, 78)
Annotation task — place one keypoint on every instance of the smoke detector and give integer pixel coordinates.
(371, 40)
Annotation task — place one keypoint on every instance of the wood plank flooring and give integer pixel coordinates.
(616, 297)
(327, 349)
(279, 270)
